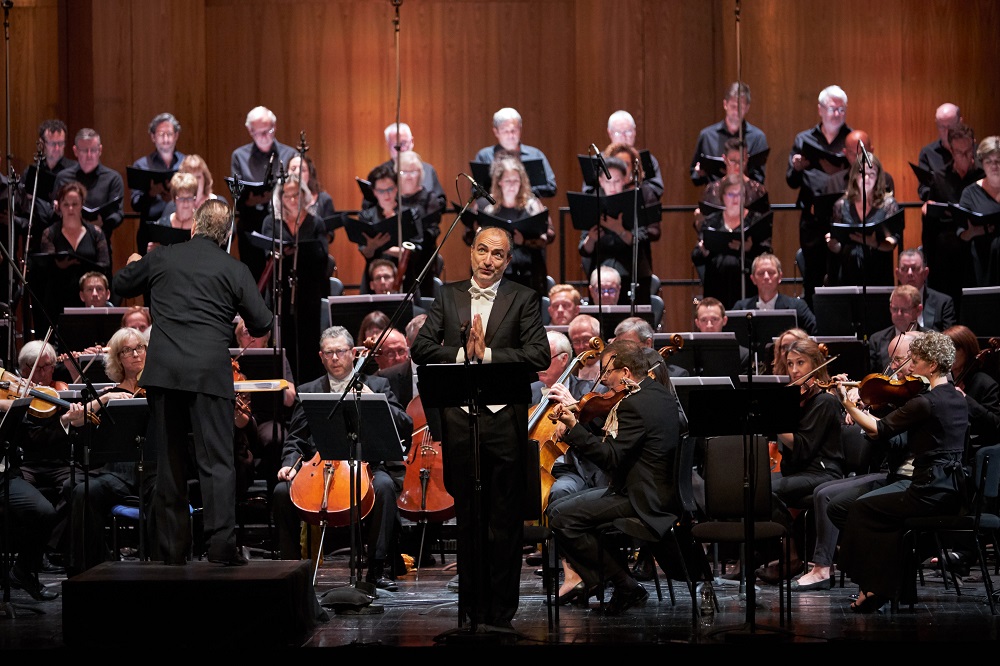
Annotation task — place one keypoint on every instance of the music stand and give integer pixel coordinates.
(10, 430)
(474, 385)
(122, 438)
(343, 438)
(749, 410)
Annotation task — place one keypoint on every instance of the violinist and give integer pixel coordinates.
(640, 437)
(810, 455)
(936, 422)
(91, 504)
(832, 499)
(336, 352)
(980, 389)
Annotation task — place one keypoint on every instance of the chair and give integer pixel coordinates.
(336, 287)
(549, 283)
(981, 523)
(725, 508)
(546, 320)
(654, 285)
(656, 309)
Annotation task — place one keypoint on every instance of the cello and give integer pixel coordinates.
(424, 497)
(543, 430)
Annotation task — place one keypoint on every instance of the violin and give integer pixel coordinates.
(44, 399)
(242, 399)
(424, 497)
(878, 390)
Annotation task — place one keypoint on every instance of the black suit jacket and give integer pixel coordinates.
(939, 310)
(806, 318)
(878, 347)
(196, 289)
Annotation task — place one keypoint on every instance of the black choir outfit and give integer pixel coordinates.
(726, 272)
(859, 264)
(985, 248)
(712, 141)
(60, 287)
(430, 183)
(151, 209)
(487, 154)
(814, 222)
(251, 165)
(196, 290)
(103, 185)
(613, 251)
(947, 255)
(304, 282)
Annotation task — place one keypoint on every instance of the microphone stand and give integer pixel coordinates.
(277, 259)
(866, 252)
(28, 332)
(596, 263)
(7, 5)
(634, 287)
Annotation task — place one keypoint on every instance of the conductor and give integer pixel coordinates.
(196, 290)
(503, 324)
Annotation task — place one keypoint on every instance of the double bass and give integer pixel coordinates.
(424, 497)
(544, 430)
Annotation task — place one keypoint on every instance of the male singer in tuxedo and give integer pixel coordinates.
(500, 322)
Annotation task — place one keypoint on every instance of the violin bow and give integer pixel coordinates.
(800, 380)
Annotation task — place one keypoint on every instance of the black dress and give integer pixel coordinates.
(61, 286)
(857, 263)
(723, 270)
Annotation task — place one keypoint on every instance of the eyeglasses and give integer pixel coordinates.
(410, 172)
(165, 135)
(393, 353)
(709, 320)
(835, 110)
(187, 200)
(991, 162)
(625, 133)
(733, 195)
(138, 350)
(55, 144)
(608, 291)
(290, 197)
(334, 353)
(384, 190)
(263, 134)
(89, 151)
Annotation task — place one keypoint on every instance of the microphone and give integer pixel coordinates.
(635, 171)
(604, 165)
(479, 191)
(270, 166)
(865, 155)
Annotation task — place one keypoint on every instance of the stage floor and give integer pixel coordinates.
(423, 609)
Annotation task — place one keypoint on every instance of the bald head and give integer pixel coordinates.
(948, 116)
(851, 144)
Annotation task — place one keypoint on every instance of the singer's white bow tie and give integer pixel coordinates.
(478, 292)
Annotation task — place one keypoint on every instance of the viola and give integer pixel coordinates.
(599, 405)
(321, 490)
(424, 497)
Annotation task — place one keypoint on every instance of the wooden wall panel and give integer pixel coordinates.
(329, 68)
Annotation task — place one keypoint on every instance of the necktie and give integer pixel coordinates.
(478, 292)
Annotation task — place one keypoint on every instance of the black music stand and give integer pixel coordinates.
(474, 385)
(122, 438)
(10, 430)
(362, 430)
(749, 410)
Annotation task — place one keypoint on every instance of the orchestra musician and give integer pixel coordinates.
(336, 352)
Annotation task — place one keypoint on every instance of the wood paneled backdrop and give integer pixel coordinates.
(330, 68)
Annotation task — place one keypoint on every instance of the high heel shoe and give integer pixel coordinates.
(578, 591)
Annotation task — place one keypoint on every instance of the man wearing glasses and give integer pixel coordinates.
(336, 351)
(905, 309)
(811, 177)
(105, 187)
(622, 130)
(712, 139)
(164, 130)
(507, 130)
(259, 161)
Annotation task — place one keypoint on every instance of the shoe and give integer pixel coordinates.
(234, 560)
(825, 584)
(573, 596)
(533, 559)
(621, 601)
(387, 584)
(453, 584)
(30, 584)
(52, 564)
(643, 569)
(871, 604)
(771, 575)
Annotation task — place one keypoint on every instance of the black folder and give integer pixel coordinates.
(355, 228)
(165, 235)
(717, 240)
(91, 213)
(366, 190)
(46, 182)
(823, 203)
(535, 169)
(144, 179)
(249, 188)
(925, 176)
(715, 166)
(842, 230)
(266, 243)
(761, 204)
(814, 152)
(585, 214)
(530, 227)
(334, 222)
(46, 260)
(974, 218)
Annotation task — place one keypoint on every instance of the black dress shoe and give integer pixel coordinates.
(30, 584)
(622, 600)
(387, 584)
(533, 559)
(578, 592)
(234, 560)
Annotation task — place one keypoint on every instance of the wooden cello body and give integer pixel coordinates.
(424, 498)
(321, 490)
